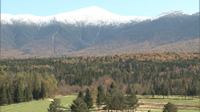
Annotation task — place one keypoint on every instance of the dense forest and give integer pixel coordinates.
(146, 73)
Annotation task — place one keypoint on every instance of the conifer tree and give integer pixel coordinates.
(122, 102)
(79, 105)
(29, 94)
(43, 91)
(10, 94)
(36, 85)
(80, 95)
(54, 106)
(9, 97)
(100, 96)
(115, 103)
(112, 89)
(108, 102)
(129, 90)
(3, 95)
(132, 101)
(25, 94)
(169, 107)
(88, 99)
(18, 94)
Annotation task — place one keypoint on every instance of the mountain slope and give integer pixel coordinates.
(95, 31)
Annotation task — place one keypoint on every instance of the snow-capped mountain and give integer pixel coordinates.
(172, 13)
(95, 16)
(87, 16)
(92, 31)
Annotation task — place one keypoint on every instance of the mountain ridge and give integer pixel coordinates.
(161, 34)
(90, 16)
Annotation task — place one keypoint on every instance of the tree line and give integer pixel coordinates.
(24, 87)
(146, 73)
(110, 101)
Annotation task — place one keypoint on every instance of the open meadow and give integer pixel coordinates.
(157, 103)
(146, 104)
(36, 106)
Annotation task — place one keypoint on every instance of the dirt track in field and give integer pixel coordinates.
(160, 105)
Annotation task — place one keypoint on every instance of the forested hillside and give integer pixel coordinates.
(146, 73)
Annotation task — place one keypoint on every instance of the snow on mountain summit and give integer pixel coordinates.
(172, 13)
(25, 19)
(87, 16)
(95, 15)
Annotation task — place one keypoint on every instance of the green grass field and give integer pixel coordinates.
(35, 106)
(42, 105)
(173, 99)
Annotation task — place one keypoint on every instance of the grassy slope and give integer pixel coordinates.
(42, 105)
(35, 106)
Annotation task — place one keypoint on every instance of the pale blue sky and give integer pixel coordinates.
(148, 8)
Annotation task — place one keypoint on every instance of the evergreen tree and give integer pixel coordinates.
(101, 91)
(54, 106)
(192, 90)
(99, 100)
(25, 94)
(10, 94)
(43, 91)
(108, 102)
(9, 97)
(3, 95)
(112, 89)
(152, 93)
(36, 85)
(79, 105)
(81, 95)
(164, 89)
(18, 96)
(129, 90)
(29, 93)
(122, 103)
(170, 108)
(115, 103)
(132, 101)
(88, 99)
(100, 96)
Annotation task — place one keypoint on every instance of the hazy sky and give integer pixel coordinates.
(148, 8)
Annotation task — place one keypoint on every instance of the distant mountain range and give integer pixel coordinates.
(95, 31)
